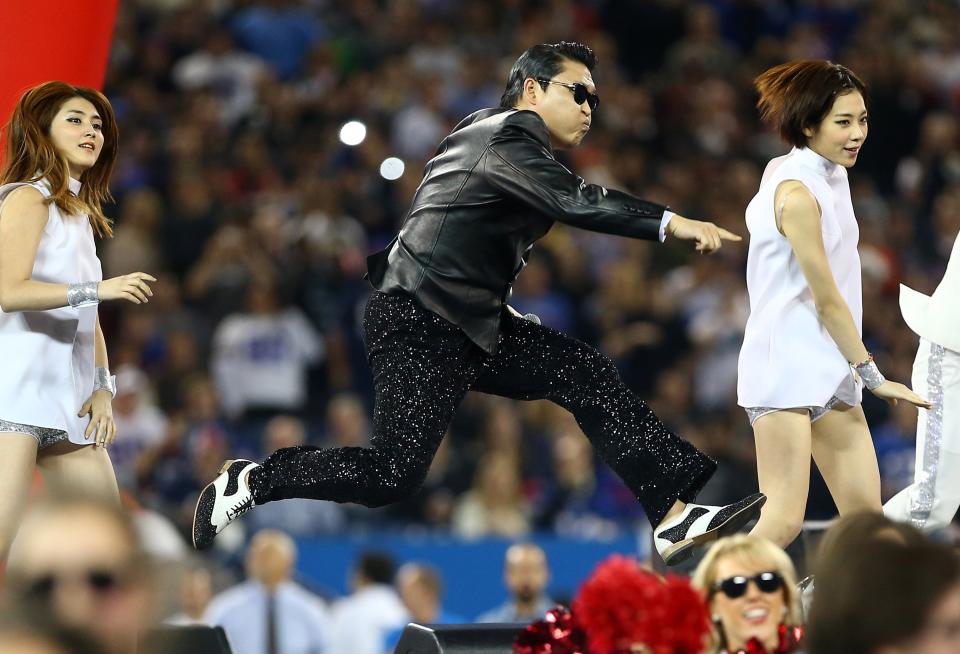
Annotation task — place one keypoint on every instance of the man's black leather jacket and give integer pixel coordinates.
(489, 193)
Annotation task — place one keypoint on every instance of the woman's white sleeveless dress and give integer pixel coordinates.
(788, 360)
(47, 357)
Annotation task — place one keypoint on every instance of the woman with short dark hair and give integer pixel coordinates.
(803, 362)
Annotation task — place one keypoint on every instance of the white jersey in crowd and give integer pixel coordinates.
(261, 361)
(48, 356)
(788, 358)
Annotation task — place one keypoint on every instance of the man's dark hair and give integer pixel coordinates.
(543, 61)
(376, 567)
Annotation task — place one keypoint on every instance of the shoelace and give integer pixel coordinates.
(240, 508)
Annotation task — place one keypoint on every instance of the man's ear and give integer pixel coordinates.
(531, 90)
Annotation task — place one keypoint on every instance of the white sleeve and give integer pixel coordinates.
(667, 215)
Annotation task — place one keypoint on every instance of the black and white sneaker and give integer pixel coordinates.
(699, 524)
(222, 501)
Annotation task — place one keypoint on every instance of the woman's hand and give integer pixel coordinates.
(891, 391)
(101, 426)
(132, 287)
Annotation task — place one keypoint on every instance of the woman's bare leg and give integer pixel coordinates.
(18, 452)
(843, 451)
(69, 468)
(783, 471)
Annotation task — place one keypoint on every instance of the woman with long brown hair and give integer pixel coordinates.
(56, 388)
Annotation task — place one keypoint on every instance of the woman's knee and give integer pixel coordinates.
(781, 526)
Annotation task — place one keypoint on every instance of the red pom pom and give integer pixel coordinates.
(557, 633)
(621, 605)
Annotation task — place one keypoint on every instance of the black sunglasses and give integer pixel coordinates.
(580, 93)
(734, 587)
(100, 582)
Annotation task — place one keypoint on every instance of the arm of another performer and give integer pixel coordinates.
(518, 164)
(799, 222)
(22, 221)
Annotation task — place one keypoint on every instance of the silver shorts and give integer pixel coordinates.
(816, 412)
(45, 436)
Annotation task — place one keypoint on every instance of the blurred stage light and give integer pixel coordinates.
(392, 168)
(353, 132)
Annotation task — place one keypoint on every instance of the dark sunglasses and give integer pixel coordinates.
(580, 93)
(734, 587)
(100, 582)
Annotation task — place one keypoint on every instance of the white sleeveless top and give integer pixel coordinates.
(48, 356)
(788, 358)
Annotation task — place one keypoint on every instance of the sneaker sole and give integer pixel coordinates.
(683, 550)
(209, 493)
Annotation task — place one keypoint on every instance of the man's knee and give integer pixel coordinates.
(392, 488)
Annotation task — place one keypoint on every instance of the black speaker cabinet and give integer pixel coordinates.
(184, 640)
(458, 639)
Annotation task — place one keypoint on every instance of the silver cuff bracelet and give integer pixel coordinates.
(870, 374)
(104, 381)
(82, 294)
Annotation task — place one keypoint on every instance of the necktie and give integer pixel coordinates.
(272, 647)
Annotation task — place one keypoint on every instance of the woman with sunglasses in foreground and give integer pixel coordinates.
(803, 363)
(750, 587)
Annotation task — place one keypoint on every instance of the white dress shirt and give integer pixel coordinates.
(361, 621)
(302, 622)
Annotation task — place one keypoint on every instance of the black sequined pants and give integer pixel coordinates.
(423, 366)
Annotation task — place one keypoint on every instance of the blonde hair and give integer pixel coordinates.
(750, 550)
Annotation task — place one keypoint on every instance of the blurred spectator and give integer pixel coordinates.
(890, 597)
(421, 589)
(280, 31)
(494, 505)
(297, 517)
(362, 620)
(194, 448)
(269, 612)
(81, 561)
(195, 593)
(136, 241)
(190, 223)
(347, 422)
(140, 424)
(582, 500)
(526, 575)
(230, 73)
(23, 633)
(261, 356)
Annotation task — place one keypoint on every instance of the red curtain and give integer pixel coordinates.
(42, 40)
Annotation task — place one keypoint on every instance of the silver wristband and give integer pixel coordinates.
(104, 381)
(83, 294)
(870, 374)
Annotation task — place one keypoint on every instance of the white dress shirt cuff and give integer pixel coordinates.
(667, 215)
